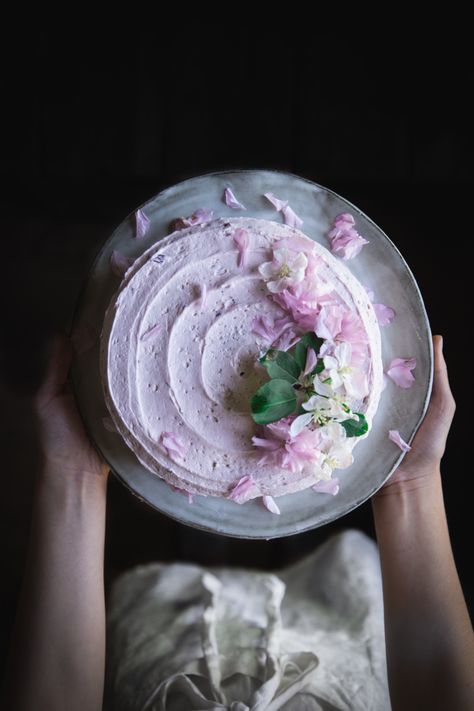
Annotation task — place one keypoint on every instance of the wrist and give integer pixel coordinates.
(53, 478)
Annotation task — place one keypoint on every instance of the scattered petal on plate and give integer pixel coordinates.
(276, 202)
(119, 263)
(399, 371)
(344, 237)
(290, 217)
(241, 239)
(151, 332)
(84, 337)
(385, 314)
(394, 435)
(142, 224)
(269, 503)
(243, 490)
(231, 200)
(327, 487)
(202, 214)
(109, 425)
(370, 293)
(183, 491)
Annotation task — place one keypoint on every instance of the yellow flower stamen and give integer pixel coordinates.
(285, 271)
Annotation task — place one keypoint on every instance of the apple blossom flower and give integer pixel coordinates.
(283, 450)
(286, 269)
(319, 409)
(341, 372)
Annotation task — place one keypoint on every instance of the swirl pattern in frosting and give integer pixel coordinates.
(174, 362)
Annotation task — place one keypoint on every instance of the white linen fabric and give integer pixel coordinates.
(310, 637)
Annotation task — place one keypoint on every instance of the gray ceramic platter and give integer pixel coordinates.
(379, 266)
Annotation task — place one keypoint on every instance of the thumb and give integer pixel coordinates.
(60, 354)
(442, 399)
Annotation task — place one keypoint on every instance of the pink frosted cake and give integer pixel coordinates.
(239, 358)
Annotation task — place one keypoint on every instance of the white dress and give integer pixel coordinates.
(309, 637)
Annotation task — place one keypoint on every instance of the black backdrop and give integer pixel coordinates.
(95, 125)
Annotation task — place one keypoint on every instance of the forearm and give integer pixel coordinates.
(429, 640)
(58, 651)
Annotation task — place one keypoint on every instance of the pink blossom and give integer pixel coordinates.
(120, 264)
(285, 451)
(183, 491)
(142, 224)
(243, 490)
(241, 240)
(262, 326)
(174, 445)
(287, 340)
(311, 360)
(399, 371)
(270, 504)
(276, 202)
(394, 435)
(329, 322)
(345, 238)
(327, 487)
(231, 200)
(385, 314)
(290, 217)
(202, 214)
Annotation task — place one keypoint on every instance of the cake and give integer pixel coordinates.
(198, 352)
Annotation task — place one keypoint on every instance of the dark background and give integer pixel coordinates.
(99, 124)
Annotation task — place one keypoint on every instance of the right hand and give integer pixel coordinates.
(421, 464)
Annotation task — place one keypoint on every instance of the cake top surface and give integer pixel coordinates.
(182, 339)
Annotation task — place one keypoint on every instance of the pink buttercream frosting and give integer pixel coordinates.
(181, 339)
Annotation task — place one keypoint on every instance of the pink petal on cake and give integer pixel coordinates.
(286, 341)
(109, 425)
(394, 435)
(142, 224)
(231, 200)
(276, 202)
(266, 443)
(344, 220)
(241, 240)
(243, 490)
(151, 332)
(270, 504)
(327, 487)
(311, 360)
(290, 217)
(385, 314)
(173, 444)
(399, 371)
(370, 293)
(83, 338)
(120, 264)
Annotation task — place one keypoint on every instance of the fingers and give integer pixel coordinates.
(442, 398)
(57, 369)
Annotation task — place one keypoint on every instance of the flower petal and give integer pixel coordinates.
(119, 263)
(299, 423)
(399, 371)
(276, 202)
(311, 360)
(394, 435)
(243, 490)
(327, 487)
(174, 445)
(241, 239)
(151, 332)
(142, 224)
(231, 200)
(269, 503)
(384, 314)
(290, 217)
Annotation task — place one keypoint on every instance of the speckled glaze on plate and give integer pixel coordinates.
(379, 266)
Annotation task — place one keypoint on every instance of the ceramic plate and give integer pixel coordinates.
(379, 266)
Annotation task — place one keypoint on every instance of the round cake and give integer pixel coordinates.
(240, 358)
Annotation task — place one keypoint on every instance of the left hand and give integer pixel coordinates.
(65, 445)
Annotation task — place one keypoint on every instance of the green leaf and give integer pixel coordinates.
(272, 401)
(308, 340)
(355, 428)
(280, 364)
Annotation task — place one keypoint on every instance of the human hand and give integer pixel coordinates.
(421, 464)
(65, 445)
